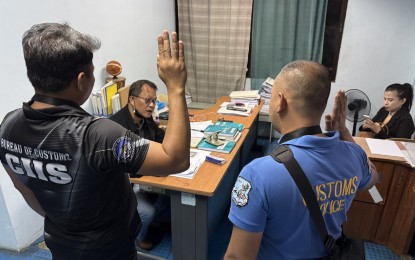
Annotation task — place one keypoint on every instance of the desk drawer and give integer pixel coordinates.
(363, 220)
(387, 170)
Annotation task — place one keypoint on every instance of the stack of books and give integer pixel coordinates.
(224, 132)
(238, 126)
(188, 99)
(228, 132)
(226, 147)
(249, 97)
(106, 101)
(265, 94)
(235, 109)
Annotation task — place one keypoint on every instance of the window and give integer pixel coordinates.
(335, 16)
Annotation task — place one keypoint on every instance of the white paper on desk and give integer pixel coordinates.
(383, 147)
(200, 126)
(197, 157)
(194, 133)
(225, 111)
(409, 153)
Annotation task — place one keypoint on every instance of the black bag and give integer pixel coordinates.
(347, 248)
(341, 249)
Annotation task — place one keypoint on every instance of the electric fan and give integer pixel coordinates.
(358, 104)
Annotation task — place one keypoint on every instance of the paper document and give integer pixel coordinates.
(223, 110)
(375, 194)
(197, 157)
(383, 147)
(200, 126)
(409, 153)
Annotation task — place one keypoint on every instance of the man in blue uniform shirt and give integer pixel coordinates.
(271, 220)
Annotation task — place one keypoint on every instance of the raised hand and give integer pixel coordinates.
(170, 62)
(337, 119)
(173, 155)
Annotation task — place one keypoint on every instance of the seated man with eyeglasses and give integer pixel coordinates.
(137, 116)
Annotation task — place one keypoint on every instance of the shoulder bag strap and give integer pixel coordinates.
(283, 154)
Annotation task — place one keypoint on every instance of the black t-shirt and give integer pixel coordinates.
(75, 165)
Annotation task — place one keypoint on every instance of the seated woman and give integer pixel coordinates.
(393, 120)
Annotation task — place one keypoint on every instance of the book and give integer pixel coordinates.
(110, 90)
(239, 126)
(210, 129)
(250, 97)
(94, 103)
(97, 105)
(225, 132)
(194, 141)
(195, 138)
(245, 94)
(236, 137)
(227, 147)
(102, 100)
(116, 105)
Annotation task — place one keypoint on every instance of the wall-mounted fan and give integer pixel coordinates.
(358, 104)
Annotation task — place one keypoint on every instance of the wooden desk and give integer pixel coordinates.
(210, 114)
(392, 222)
(250, 122)
(198, 204)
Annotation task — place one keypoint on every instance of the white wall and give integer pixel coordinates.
(128, 31)
(378, 49)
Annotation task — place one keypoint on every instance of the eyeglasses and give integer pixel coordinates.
(148, 101)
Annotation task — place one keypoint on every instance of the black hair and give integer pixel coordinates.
(55, 54)
(404, 91)
(136, 87)
(309, 84)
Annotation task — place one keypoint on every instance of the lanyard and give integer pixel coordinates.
(310, 130)
(53, 101)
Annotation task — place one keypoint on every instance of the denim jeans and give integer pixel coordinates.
(151, 207)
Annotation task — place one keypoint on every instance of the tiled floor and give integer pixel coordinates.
(217, 248)
(217, 244)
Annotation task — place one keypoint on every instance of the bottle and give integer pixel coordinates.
(156, 113)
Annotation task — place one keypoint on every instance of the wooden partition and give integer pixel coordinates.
(391, 222)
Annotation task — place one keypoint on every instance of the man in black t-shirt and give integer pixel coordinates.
(69, 166)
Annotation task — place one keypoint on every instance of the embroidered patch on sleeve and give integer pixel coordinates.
(123, 149)
(240, 192)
